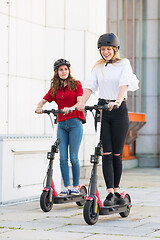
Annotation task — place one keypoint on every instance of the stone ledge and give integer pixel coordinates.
(148, 160)
(12, 136)
(86, 170)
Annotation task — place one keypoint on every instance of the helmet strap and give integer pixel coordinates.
(62, 83)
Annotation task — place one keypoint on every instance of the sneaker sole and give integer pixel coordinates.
(76, 194)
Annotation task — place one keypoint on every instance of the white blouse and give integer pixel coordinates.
(109, 79)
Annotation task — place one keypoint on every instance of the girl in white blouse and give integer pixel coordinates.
(114, 77)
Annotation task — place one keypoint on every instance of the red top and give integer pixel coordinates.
(66, 99)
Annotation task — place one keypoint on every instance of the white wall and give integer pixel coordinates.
(31, 41)
(34, 34)
(23, 168)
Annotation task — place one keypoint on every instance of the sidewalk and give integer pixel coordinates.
(65, 221)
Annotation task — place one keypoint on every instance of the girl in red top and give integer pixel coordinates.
(66, 92)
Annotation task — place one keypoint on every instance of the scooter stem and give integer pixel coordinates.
(49, 174)
(94, 180)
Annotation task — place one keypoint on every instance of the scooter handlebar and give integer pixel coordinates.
(98, 107)
(55, 111)
(90, 108)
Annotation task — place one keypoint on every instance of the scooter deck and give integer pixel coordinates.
(69, 198)
(108, 210)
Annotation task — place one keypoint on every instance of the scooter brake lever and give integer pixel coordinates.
(58, 141)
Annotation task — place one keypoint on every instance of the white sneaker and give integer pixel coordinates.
(75, 191)
(65, 192)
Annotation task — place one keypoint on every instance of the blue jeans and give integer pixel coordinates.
(70, 133)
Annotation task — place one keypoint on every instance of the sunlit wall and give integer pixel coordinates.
(34, 34)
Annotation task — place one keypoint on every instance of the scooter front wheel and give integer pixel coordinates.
(90, 217)
(45, 203)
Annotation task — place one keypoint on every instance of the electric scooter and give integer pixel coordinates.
(49, 195)
(93, 206)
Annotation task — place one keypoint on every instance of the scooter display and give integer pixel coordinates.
(93, 206)
(49, 195)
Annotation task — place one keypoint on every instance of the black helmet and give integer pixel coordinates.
(61, 62)
(108, 39)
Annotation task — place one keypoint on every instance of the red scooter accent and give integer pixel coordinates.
(83, 186)
(90, 199)
(99, 200)
(123, 194)
(46, 190)
(55, 194)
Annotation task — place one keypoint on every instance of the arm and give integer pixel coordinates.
(78, 101)
(91, 85)
(81, 102)
(40, 106)
(120, 97)
(121, 94)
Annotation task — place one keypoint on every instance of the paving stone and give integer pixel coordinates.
(26, 221)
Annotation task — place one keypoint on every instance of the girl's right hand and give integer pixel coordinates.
(40, 106)
(80, 106)
(39, 110)
(111, 105)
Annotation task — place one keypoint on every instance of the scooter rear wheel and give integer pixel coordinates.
(88, 214)
(84, 192)
(45, 203)
(128, 201)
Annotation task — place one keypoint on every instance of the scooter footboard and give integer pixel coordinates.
(68, 198)
(113, 209)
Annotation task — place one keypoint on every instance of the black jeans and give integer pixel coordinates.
(114, 129)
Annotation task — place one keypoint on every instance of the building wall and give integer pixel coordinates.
(159, 82)
(148, 147)
(145, 39)
(31, 41)
(34, 34)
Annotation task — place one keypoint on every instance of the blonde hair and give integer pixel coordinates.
(101, 62)
(115, 58)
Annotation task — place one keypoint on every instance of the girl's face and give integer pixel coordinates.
(107, 52)
(63, 72)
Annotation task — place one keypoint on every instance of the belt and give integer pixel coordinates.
(106, 101)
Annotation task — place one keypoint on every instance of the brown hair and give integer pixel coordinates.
(55, 83)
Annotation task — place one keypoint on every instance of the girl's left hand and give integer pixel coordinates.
(65, 110)
(68, 110)
(111, 105)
